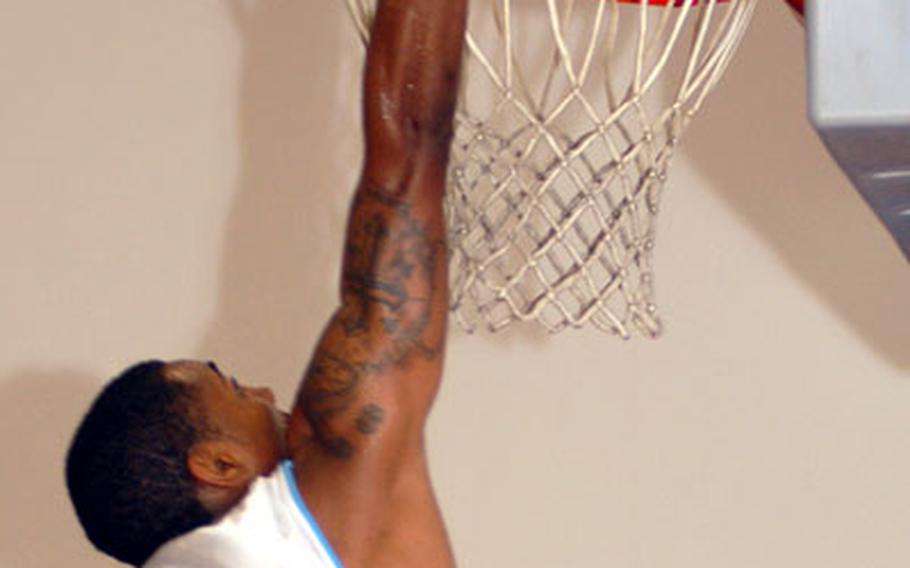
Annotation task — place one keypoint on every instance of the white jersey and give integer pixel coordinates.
(270, 528)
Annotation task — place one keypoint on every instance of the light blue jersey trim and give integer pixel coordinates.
(288, 468)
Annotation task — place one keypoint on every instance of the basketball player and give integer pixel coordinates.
(176, 464)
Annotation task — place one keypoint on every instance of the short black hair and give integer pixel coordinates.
(126, 470)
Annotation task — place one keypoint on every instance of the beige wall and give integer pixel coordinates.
(174, 179)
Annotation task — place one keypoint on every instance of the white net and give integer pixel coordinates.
(570, 113)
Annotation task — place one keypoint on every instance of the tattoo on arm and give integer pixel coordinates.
(329, 386)
(391, 278)
(370, 418)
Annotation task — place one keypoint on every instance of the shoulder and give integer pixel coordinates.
(265, 530)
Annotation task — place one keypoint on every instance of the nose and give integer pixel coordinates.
(264, 394)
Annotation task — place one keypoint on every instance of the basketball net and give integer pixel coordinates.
(569, 115)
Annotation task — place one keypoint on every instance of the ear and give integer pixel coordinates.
(219, 464)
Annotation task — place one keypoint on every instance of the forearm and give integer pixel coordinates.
(411, 85)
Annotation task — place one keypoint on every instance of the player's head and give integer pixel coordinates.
(164, 449)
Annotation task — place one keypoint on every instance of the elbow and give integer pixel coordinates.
(415, 123)
(431, 122)
(425, 132)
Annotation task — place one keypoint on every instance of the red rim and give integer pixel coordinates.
(676, 3)
(798, 5)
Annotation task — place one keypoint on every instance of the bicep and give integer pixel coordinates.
(376, 368)
(363, 399)
(377, 365)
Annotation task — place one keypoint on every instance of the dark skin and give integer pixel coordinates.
(356, 429)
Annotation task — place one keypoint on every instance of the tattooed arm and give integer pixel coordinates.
(356, 431)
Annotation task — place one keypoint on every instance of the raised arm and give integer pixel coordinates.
(356, 431)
